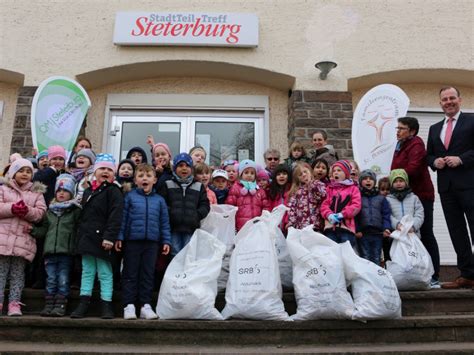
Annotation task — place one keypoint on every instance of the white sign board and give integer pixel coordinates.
(186, 29)
(374, 134)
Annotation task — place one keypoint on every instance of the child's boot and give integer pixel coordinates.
(59, 309)
(107, 310)
(48, 306)
(14, 309)
(81, 309)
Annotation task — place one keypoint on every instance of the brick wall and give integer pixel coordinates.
(329, 110)
(21, 137)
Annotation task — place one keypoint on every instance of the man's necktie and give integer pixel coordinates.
(449, 132)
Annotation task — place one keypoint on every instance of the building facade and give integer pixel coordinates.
(236, 101)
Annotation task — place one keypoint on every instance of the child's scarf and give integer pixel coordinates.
(58, 208)
(400, 194)
(249, 187)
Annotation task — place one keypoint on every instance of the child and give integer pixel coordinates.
(187, 202)
(162, 161)
(296, 153)
(137, 155)
(373, 221)
(321, 170)
(59, 230)
(246, 195)
(202, 173)
(355, 171)
(219, 185)
(42, 158)
(306, 196)
(125, 174)
(198, 154)
(47, 176)
(278, 192)
(384, 186)
(404, 202)
(83, 171)
(342, 204)
(263, 179)
(145, 226)
(21, 204)
(231, 168)
(101, 217)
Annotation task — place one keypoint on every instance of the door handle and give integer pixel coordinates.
(114, 131)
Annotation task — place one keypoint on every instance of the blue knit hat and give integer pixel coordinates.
(65, 182)
(42, 154)
(182, 157)
(247, 163)
(104, 160)
(367, 173)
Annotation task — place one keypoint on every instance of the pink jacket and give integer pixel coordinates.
(249, 205)
(211, 196)
(281, 200)
(15, 238)
(342, 198)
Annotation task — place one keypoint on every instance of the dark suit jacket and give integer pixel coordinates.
(462, 145)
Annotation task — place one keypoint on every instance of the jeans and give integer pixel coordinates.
(91, 265)
(370, 246)
(178, 242)
(138, 275)
(58, 269)
(340, 236)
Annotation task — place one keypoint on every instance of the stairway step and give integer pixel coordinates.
(105, 349)
(416, 329)
(413, 303)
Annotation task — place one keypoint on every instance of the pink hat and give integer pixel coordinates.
(56, 151)
(17, 165)
(104, 160)
(345, 166)
(262, 175)
(164, 146)
(14, 157)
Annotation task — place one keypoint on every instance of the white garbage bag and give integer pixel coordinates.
(318, 277)
(411, 265)
(220, 222)
(373, 289)
(254, 286)
(189, 287)
(273, 220)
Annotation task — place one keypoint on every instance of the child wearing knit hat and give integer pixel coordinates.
(231, 167)
(162, 162)
(21, 205)
(58, 229)
(263, 179)
(187, 202)
(250, 199)
(83, 171)
(342, 204)
(42, 159)
(102, 208)
(404, 202)
(373, 221)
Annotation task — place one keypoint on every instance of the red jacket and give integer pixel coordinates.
(280, 200)
(250, 206)
(412, 158)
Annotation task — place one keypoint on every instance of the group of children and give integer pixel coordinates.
(95, 208)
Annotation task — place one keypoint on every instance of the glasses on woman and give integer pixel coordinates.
(273, 159)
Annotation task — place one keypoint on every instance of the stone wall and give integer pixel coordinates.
(329, 110)
(21, 137)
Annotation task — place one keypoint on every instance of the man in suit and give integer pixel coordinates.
(451, 153)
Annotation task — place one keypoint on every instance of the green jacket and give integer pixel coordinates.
(59, 232)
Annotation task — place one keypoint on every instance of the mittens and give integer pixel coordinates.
(19, 209)
(332, 218)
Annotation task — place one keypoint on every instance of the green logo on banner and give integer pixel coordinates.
(58, 111)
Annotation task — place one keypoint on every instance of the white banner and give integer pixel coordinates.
(186, 29)
(374, 134)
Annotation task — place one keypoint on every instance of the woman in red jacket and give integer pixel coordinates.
(410, 154)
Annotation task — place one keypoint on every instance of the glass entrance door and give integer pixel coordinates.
(224, 136)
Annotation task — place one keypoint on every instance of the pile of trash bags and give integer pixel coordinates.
(330, 280)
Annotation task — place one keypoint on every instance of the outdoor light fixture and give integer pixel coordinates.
(325, 68)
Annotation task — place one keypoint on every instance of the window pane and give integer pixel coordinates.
(226, 140)
(134, 134)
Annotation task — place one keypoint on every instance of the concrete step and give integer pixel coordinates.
(105, 349)
(416, 329)
(430, 302)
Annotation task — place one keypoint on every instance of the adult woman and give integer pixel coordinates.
(82, 142)
(410, 154)
(322, 150)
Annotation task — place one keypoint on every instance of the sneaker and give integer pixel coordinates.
(146, 312)
(434, 284)
(129, 312)
(14, 309)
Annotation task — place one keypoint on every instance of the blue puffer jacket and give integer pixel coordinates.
(145, 217)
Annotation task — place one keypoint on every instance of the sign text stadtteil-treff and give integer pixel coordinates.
(186, 29)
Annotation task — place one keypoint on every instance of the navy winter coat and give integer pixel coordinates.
(145, 217)
(374, 214)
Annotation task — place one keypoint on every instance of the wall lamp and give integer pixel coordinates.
(325, 68)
